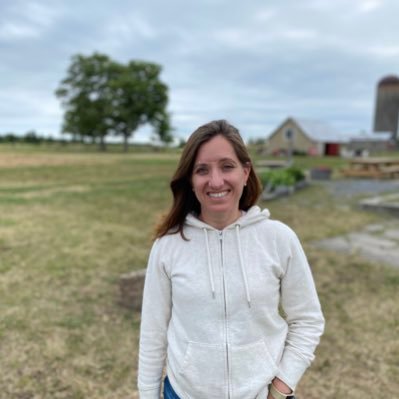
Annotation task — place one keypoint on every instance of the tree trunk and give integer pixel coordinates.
(125, 143)
(103, 146)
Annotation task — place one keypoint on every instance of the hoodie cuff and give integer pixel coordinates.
(291, 368)
(150, 393)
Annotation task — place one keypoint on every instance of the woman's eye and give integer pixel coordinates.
(201, 171)
(228, 167)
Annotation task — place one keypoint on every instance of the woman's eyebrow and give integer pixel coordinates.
(200, 165)
(227, 160)
(218, 161)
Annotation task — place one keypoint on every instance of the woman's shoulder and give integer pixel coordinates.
(167, 238)
(278, 228)
(164, 248)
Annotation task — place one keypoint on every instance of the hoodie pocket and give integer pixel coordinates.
(203, 371)
(252, 368)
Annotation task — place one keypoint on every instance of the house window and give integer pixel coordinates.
(289, 134)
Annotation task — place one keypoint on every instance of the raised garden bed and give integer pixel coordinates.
(281, 182)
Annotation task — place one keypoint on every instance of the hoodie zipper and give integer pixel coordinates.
(225, 314)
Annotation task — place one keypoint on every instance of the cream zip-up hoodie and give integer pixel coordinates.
(211, 310)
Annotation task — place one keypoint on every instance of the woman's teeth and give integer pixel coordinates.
(218, 195)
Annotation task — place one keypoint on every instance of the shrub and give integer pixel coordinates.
(281, 177)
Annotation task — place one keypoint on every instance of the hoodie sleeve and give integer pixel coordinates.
(155, 317)
(302, 308)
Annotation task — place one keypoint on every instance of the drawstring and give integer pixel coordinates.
(243, 271)
(208, 252)
(242, 266)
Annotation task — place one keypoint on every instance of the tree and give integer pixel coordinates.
(84, 95)
(32, 138)
(102, 96)
(138, 97)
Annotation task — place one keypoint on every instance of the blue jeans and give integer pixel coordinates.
(168, 392)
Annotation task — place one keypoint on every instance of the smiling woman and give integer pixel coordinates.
(218, 181)
(217, 273)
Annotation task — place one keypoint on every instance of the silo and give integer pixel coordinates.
(387, 105)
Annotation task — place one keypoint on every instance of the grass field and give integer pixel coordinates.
(71, 223)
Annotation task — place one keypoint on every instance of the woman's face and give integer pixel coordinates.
(218, 179)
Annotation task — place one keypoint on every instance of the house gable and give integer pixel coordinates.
(279, 141)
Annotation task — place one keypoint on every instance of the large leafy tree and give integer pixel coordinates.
(138, 97)
(104, 97)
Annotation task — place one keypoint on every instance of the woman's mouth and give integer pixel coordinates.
(220, 194)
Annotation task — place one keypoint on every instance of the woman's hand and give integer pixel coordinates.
(281, 386)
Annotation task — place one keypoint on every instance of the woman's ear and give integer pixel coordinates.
(247, 168)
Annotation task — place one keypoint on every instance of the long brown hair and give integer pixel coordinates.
(184, 199)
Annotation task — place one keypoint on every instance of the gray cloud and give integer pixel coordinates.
(252, 63)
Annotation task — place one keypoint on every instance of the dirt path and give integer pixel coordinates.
(357, 187)
(376, 242)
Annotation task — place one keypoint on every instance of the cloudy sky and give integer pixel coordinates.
(252, 62)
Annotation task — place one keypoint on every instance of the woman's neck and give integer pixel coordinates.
(220, 220)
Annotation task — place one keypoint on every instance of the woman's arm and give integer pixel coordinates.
(155, 317)
(301, 305)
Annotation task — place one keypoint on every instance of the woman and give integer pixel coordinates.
(217, 273)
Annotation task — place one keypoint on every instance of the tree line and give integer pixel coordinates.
(30, 137)
(102, 97)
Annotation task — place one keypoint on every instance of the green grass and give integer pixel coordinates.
(67, 232)
(71, 224)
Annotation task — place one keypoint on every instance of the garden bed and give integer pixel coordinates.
(282, 182)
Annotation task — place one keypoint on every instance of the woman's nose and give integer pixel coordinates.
(216, 180)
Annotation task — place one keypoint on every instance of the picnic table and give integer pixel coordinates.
(372, 167)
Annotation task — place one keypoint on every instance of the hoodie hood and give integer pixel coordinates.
(252, 216)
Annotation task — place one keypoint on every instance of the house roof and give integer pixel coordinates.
(317, 130)
(372, 136)
(321, 131)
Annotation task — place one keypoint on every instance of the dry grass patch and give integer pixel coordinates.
(18, 159)
(358, 352)
(8, 160)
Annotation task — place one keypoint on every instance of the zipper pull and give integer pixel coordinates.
(220, 235)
